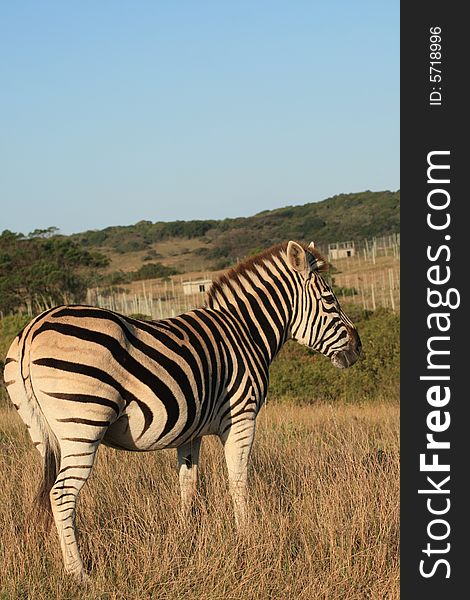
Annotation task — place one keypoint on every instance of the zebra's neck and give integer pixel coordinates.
(258, 297)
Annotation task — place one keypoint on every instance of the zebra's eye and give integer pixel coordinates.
(328, 298)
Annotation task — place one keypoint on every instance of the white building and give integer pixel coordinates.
(198, 286)
(340, 250)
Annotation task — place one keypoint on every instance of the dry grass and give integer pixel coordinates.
(175, 252)
(324, 499)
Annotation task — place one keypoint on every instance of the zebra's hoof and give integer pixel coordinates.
(80, 576)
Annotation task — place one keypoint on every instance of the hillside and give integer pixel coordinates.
(216, 244)
(44, 268)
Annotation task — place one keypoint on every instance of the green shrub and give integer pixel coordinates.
(9, 327)
(152, 271)
(146, 271)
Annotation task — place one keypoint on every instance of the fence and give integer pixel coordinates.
(152, 300)
(369, 250)
(380, 287)
(370, 278)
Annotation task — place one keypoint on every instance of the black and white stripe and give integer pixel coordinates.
(80, 376)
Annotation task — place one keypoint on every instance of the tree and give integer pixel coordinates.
(43, 270)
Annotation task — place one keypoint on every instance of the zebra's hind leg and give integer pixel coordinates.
(238, 441)
(188, 458)
(77, 458)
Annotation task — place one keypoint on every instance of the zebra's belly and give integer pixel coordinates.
(119, 435)
(155, 429)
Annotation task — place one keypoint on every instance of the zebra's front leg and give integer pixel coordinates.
(188, 458)
(238, 441)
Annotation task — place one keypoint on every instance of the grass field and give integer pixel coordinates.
(324, 484)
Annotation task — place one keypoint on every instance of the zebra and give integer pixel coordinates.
(80, 376)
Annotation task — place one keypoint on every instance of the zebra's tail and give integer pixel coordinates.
(51, 462)
(21, 391)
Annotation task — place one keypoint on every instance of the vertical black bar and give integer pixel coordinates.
(435, 252)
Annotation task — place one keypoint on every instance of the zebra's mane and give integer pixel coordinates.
(237, 273)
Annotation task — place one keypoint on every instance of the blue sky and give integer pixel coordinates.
(117, 111)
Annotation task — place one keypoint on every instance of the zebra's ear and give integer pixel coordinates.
(305, 261)
(315, 259)
(296, 257)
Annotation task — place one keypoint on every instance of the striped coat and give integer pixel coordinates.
(80, 376)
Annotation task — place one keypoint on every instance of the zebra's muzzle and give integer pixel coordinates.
(344, 358)
(347, 357)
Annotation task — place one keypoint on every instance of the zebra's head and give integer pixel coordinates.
(318, 320)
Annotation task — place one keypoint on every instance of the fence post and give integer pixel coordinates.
(391, 282)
